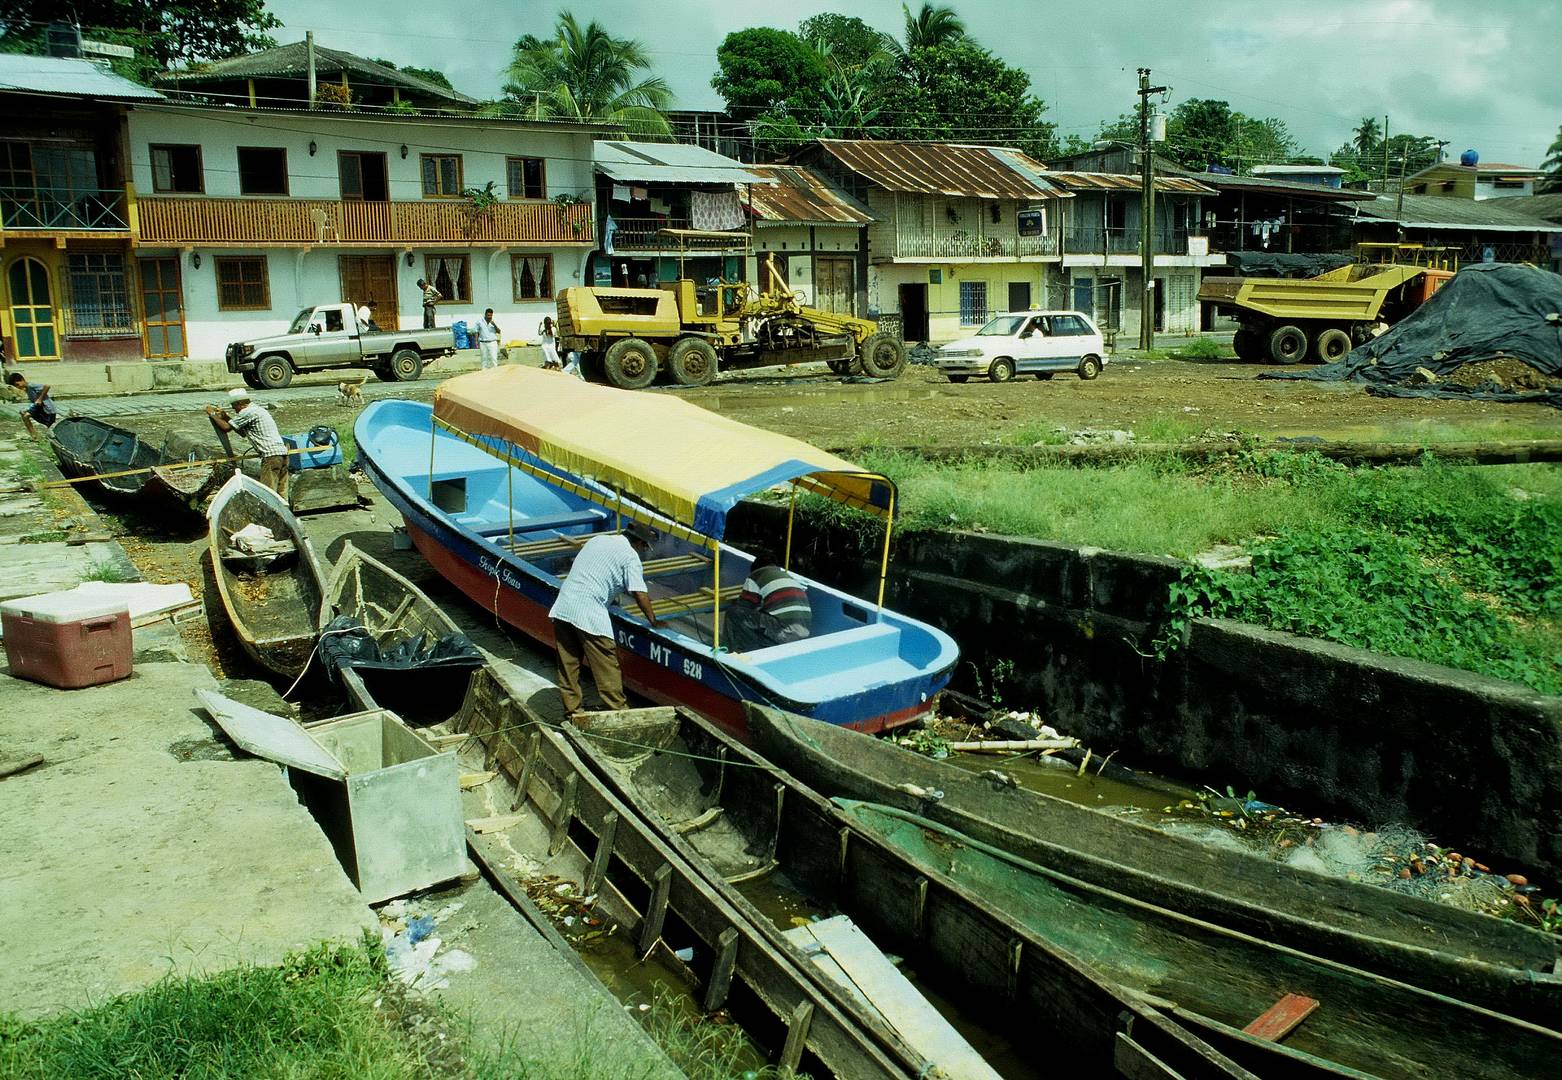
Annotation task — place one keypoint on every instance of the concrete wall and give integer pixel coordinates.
(943, 299)
(1305, 723)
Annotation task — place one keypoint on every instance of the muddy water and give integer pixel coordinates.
(1059, 778)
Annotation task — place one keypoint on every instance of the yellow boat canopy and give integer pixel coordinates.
(687, 462)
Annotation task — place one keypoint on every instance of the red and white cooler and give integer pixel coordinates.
(67, 640)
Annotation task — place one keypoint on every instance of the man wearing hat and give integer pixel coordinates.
(256, 425)
(608, 564)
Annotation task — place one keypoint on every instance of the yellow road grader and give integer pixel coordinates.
(690, 331)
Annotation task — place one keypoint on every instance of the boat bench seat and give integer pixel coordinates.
(673, 564)
(690, 602)
(485, 527)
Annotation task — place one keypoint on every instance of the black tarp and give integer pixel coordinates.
(1281, 264)
(345, 642)
(1485, 312)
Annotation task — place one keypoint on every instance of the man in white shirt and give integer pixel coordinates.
(488, 340)
(608, 564)
(256, 425)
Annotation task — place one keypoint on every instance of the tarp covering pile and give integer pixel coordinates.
(347, 643)
(1484, 313)
(691, 464)
(1280, 264)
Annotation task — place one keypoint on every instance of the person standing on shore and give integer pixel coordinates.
(488, 340)
(258, 426)
(431, 296)
(550, 344)
(608, 565)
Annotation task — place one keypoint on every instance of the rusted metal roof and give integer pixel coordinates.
(984, 172)
(1103, 181)
(800, 196)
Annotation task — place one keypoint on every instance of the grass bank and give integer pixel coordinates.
(1453, 565)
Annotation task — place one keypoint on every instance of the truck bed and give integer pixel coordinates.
(1349, 294)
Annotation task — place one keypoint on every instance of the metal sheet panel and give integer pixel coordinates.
(668, 163)
(68, 78)
(1102, 181)
(983, 172)
(801, 196)
(276, 738)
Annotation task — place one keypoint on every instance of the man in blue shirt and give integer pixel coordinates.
(608, 565)
(40, 406)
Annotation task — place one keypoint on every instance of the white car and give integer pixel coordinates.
(1037, 343)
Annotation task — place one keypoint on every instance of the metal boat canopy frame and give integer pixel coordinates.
(637, 450)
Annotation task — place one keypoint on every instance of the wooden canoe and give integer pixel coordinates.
(88, 447)
(977, 914)
(753, 830)
(1486, 961)
(394, 611)
(273, 605)
(734, 965)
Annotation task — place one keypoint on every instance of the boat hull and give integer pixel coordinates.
(664, 668)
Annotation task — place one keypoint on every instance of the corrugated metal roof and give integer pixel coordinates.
(292, 61)
(985, 172)
(68, 78)
(1104, 181)
(1268, 184)
(1546, 207)
(803, 197)
(669, 163)
(1447, 212)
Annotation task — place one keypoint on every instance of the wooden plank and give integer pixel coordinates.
(498, 823)
(656, 910)
(470, 780)
(1282, 1018)
(845, 954)
(20, 765)
(564, 814)
(527, 762)
(1137, 1063)
(796, 1037)
(720, 984)
(604, 852)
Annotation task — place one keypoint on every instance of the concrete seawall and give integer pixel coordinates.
(1466, 758)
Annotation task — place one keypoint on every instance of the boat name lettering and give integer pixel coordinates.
(662, 654)
(493, 568)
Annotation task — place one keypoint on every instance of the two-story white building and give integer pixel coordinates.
(242, 216)
(959, 232)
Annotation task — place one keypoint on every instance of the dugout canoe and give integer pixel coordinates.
(756, 834)
(503, 480)
(396, 614)
(663, 902)
(271, 602)
(1486, 961)
(87, 447)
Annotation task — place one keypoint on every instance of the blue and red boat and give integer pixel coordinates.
(513, 469)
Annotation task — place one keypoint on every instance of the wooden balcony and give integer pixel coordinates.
(305, 222)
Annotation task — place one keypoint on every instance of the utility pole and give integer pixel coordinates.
(1147, 213)
(1385, 153)
(309, 50)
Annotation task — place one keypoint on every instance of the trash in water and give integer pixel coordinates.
(686, 955)
(419, 927)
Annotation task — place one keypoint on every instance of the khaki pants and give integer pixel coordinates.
(599, 652)
(273, 473)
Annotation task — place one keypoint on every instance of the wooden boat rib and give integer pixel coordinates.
(673, 903)
(1486, 961)
(393, 610)
(504, 525)
(922, 889)
(273, 608)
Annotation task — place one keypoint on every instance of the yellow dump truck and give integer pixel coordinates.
(626, 336)
(1284, 320)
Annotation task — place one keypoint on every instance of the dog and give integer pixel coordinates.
(351, 393)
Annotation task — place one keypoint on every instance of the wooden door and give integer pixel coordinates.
(1019, 296)
(162, 303)
(32, 310)
(371, 280)
(835, 285)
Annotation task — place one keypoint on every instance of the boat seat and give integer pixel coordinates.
(487, 528)
(687, 603)
(673, 564)
(553, 545)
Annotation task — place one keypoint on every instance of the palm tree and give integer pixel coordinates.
(587, 74)
(1553, 165)
(933, 25)
(1367, 136)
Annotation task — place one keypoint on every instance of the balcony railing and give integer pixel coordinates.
(1099, 240)
(914, 245)
(62, 210)
(645, 234)
(317, 221)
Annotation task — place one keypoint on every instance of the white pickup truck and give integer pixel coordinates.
(329, 336)
(1038, 343)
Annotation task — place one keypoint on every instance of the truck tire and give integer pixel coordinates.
(406, 365)
(1249, 346)
(1287, 344)
(1332, 344)
(692, 362)
(630, 364)
(273, 372)
(883, 356)
(1090, 368)
(1002, 370)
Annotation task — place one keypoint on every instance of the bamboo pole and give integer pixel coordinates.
(889, 525)
(171, 466)
(715, 634)
(791, 514)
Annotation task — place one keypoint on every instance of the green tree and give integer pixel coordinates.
(1265, 141)
(963, 93)
(932, 26)
(1553, 165)
(163, 34)
(764, 73)
(427, 74)
(584, 73)
(848, 40)
(1202, 132)
(1409, 154)
(1367, 136)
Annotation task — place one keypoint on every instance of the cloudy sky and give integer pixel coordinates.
(1479, 74)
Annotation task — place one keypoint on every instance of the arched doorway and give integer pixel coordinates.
(32, 311)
